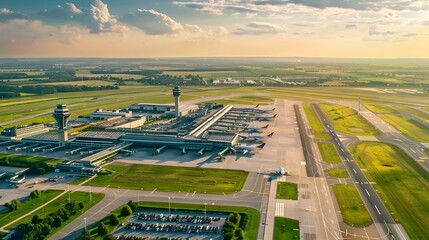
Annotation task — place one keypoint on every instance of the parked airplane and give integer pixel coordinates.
(248, 149)
(260, 136)
(265, 117)
(15, 180)
(255, 129)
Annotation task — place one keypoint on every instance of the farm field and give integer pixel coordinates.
(408, 197)
(353, 210)
(328, 152)
(172, 179)
(347, 120)
(286, 190)
(251, 229)
(286, 229)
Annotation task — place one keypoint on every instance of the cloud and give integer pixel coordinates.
(96, 18)
(260, 28)
(373, 32)
(7, 15)
(155, 23)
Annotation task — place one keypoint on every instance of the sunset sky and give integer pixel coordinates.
(214, 28)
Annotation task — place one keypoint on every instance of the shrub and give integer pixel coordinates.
(126, 211)
(114, 220)
(102, 229)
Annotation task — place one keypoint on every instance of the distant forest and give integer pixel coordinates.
(13, 91)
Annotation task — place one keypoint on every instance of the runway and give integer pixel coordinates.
(385, 223)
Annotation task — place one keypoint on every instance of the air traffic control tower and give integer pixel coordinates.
(176, 94)
(61, 115)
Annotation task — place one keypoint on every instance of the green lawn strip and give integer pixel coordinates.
(27, 206)
(313, 119)
(172, 179)
(338, 173)
(401, 183)
(79, 180)
(347, 120)
(426, 150)
(379, 108)
(37, 165)
(352, 208)
(409, 127)
(328, 152)
(286, 190)
(60, 202)
(286, 229)
(321, 136)
(251, 230)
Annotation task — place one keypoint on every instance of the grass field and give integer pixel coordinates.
(313, 119)
(27, 206)
(253, 99)
(328, 152)
(338, 173)
(352, 208)
(347, 120)
(79, 180)
(172, 179)
(60, 202)
(379, 108)
(286, 229)
(286, 190)
(401, 183)
(35, 163)
(409, 127)
(415, 112)
(251, 231)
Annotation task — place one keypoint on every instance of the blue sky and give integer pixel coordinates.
(151, 28)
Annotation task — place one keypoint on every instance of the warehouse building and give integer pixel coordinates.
(24, 130)
(99, 114)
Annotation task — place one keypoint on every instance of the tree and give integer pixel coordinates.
(228, 236)
(108, 237)
(81, 205)
(46, 229)
(57, 221)
(126, 211)
(132, 205)
(87, 235)
(36, 219)
(239, 234)
(102, 229)
(35, 194)
(12, 205)
(114, 220)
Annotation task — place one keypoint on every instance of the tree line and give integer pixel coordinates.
(50, 89)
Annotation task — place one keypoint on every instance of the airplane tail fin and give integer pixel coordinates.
(257, 106)
(271, 134)
(275, 116)
(273, 109)
(266, 126)
(261, 146)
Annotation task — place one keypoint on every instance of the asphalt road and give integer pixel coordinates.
(385, 223)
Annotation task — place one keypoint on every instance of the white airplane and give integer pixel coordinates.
(255, 129)
(282, 171)
(16, 181)
(248, 149)
(260, 136)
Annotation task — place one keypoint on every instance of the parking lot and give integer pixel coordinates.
(155, 224)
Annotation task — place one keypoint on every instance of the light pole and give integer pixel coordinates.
(205, 210)
(90, 195)
(85, 223)
(169, 206)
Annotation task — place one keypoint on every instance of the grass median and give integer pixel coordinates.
(338, 173)
(287, 190)
(328, 152)
(286, 229)
(352, 208)
(313, 119)
(171, 179)
(347, 120)
(401, 183)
